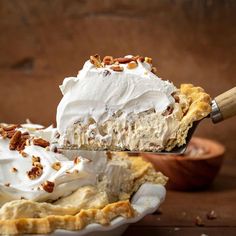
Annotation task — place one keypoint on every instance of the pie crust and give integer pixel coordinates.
(198, 106)
(68, 222)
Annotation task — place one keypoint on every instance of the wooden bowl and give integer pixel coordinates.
(194, 170)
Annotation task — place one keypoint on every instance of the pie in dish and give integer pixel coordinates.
(121, 104)
(42, 189)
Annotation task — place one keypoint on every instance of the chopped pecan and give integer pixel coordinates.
(77, 160)
(48, 186)
(9, 127)
(141, 59)
(35, 159)
(117, 68)
(123, 60)
(95, 60)
(40, 142)
(10, 133)
(35, 172)
(21, 145)
(38, 164)
(108, 60)
(148, 60)
(7, 184)
(14, 141)
(23, 154)
(132, 65)
(56, 165)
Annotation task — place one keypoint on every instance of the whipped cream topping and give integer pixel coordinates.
(99, 93)
(75, 171)
(15, 183)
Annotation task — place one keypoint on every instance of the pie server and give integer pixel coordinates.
(223, 107)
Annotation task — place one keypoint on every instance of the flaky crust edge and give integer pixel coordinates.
(199, 107)
(68, 222)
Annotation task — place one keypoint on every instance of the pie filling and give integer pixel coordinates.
(120, 104)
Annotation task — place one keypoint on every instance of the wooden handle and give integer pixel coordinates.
(227, 103)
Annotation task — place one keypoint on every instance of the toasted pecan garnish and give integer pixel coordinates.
(132, 65)
(14, 141)
(56, 165)
(23, 154)
(48, 186)
(96, 60)
(108, 60)
(77, 160)
(35, 172)
(9, 127)
(35, 159)
(148, 60)
(40, 142)
(124, 60)
(141, 59)
(117, 68)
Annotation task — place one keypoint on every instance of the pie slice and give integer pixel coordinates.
(120, 104)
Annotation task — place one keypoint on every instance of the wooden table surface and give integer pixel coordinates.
(178, 213)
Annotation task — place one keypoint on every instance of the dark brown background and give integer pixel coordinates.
(41, 42)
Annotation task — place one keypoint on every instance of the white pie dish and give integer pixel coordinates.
(145, 201)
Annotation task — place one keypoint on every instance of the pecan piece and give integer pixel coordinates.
(141, 59)
(117, 68)
(108, 60)
(95, 60)
(40, 142)
(48, 186)
(76, 160)
(148, 60)
(9, 127)
(35, 172)
(35, 159)
(14, 141)
(123, 60)
(56, 166)
(132, 65)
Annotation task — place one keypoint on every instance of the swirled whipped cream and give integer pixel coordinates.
(120, 105)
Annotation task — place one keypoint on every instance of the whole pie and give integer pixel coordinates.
(121, 104)
(42, 189)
